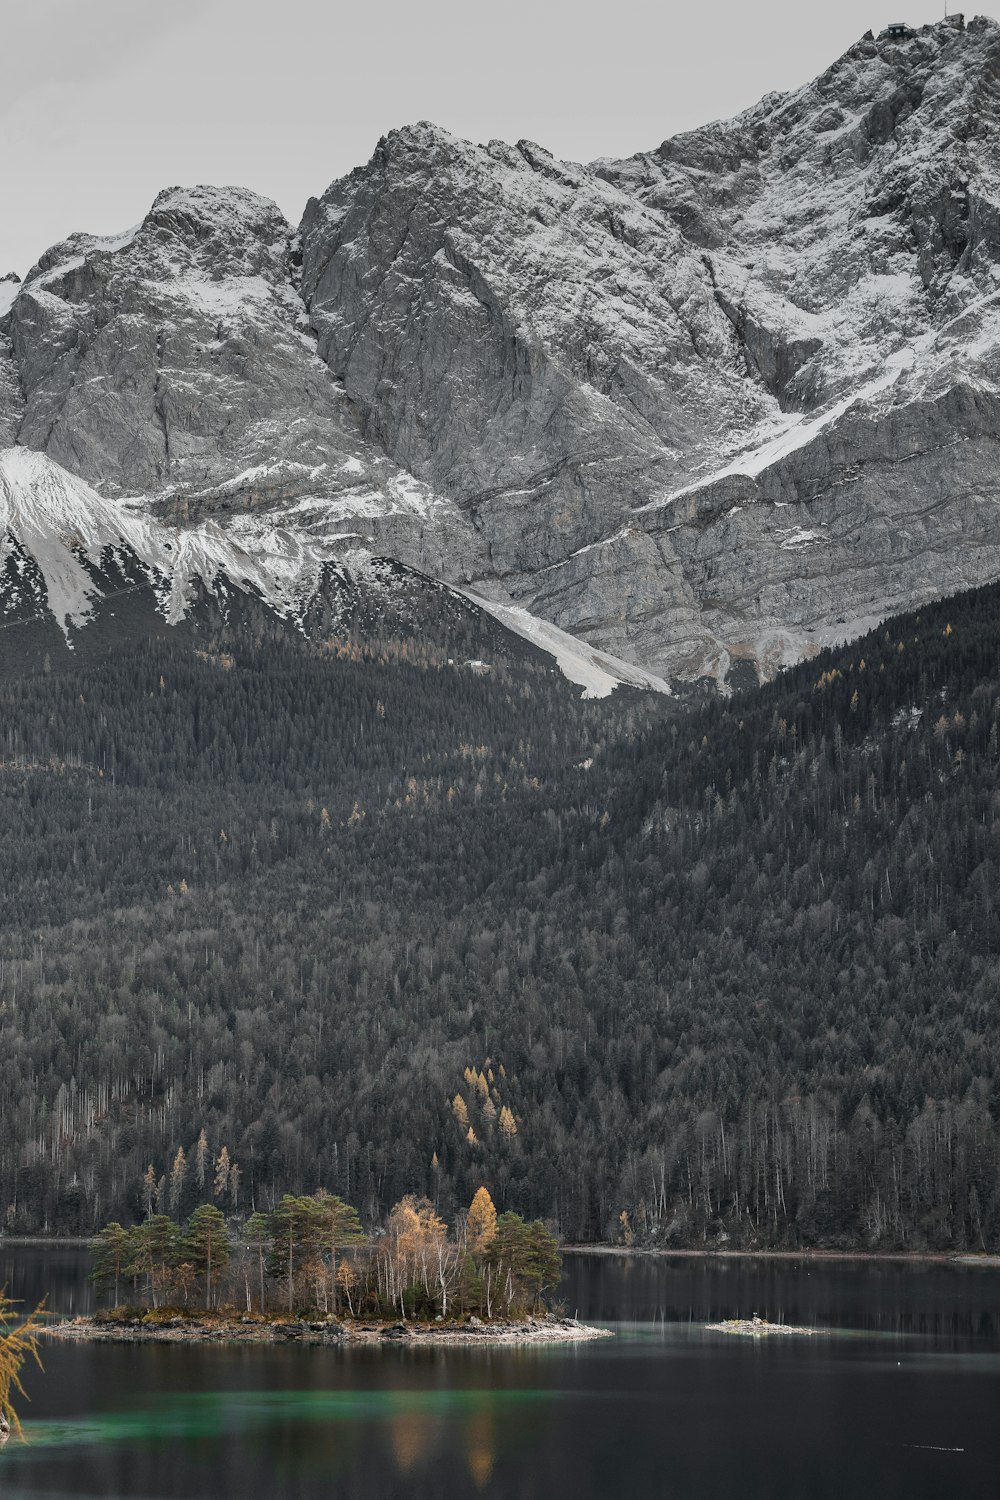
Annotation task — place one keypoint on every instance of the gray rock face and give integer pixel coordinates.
(181, 334)
(706, 408)
(524, 336)
(497, 313)
(736, 396)
(176, 361)
(11, 400)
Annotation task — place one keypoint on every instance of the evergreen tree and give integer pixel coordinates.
(205, 1245)
(112, 1251)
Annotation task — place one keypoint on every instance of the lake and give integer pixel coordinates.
(901, 1399)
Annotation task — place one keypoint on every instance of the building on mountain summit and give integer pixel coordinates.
(898, 31)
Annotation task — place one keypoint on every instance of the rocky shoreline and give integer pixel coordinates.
(329, 1331)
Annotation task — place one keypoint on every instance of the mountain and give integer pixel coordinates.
(309, 540)
(176, 362)
(707, 409)
(85, 575)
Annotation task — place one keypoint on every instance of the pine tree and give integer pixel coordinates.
(544, 1265)
(206, 1245)
(154, 1246)
(341, 1229)
(111, 1250)
(296, 1231)
(257, 1238)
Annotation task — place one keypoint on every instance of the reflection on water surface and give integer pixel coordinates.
(900, 1400)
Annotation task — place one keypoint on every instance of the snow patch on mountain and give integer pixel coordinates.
(68, 529)
(796, 432)
(72, 533)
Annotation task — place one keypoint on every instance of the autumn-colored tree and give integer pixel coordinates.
(508, 1125)
(481, 1224)
(415, 1250)
(149, 1190)
(347, 1280)
(18, 1343)
(185, 1277)
(461, 1111)
(220, 1182)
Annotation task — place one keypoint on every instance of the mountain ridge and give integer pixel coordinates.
(707, 408)
(69, 556)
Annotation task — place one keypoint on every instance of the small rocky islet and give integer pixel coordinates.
(185, 1329)
(757, 1327)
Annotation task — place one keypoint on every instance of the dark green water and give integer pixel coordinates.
(902, 1399)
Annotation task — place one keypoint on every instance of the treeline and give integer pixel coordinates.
(310, 1257)
(728, 969)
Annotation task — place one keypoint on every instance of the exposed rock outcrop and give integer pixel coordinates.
(176, 362)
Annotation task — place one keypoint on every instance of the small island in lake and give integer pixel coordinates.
(308, 1272)
(758, 1328)
(173, 1328)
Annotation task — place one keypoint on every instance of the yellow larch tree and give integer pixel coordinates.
(481, 1224)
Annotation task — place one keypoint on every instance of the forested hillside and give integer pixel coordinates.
(386, 917)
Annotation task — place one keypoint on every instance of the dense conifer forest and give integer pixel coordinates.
(403, 914)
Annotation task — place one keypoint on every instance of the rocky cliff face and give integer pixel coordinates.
(706, 408)
(176, 361)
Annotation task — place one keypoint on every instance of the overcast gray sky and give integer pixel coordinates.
(106, 101)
